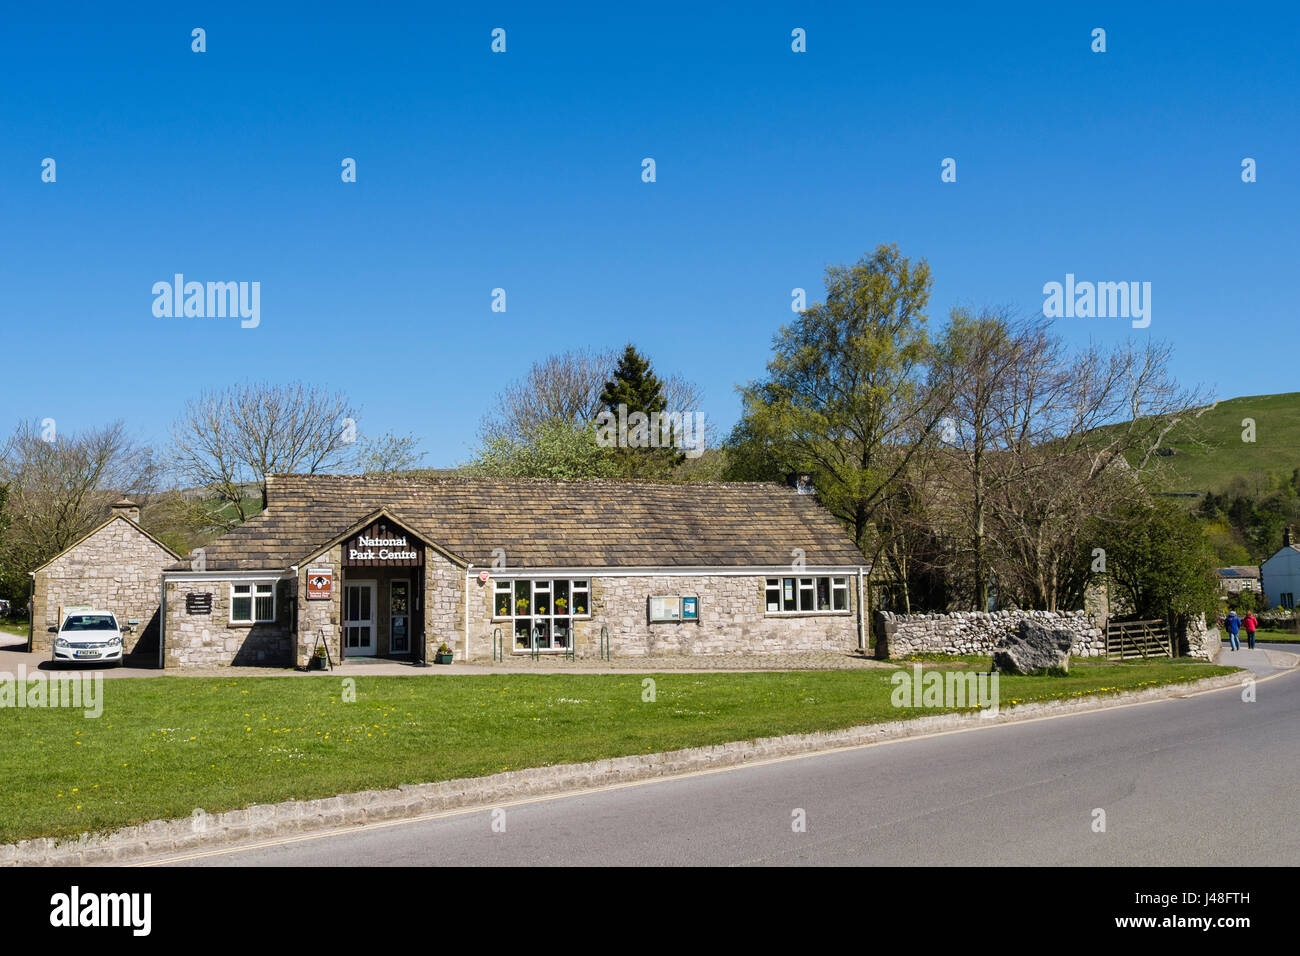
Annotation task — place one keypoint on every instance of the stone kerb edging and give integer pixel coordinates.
(158, 838)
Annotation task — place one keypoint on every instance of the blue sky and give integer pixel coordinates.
(523, 171)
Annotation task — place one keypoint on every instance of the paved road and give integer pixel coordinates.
(1194, 780)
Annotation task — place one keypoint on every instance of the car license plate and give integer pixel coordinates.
(87, 653)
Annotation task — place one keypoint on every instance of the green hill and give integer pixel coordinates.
(1210, 451)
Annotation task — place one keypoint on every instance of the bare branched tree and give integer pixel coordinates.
(227, 439)
(61, 485)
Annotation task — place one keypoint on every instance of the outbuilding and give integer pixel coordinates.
(395, 567)
(115, 567)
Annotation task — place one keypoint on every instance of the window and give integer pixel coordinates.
(1288, 600)
(805, 595)
(252, 603)
(541, 611)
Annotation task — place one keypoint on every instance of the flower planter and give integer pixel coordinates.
(442, 658)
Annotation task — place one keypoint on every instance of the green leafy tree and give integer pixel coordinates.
(845, 399)
(1159, 561)
(554, 449)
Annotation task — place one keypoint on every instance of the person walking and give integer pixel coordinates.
(1233, 624)
(1252, 622)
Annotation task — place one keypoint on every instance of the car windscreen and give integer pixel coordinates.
(90, 622)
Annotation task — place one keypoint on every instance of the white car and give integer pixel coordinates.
(88, 635)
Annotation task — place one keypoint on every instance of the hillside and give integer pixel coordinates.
(1210, 452)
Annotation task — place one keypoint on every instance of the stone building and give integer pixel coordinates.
(397, 567)
(117, 567)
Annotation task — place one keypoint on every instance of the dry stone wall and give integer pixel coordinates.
(976, 632)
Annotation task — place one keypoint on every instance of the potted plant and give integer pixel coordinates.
(561, 606)
(521, 606)
(320, 658)
(443, 656)
(579, 609)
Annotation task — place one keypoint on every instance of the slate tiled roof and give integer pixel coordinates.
(586, 524)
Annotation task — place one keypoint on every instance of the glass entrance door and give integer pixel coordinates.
(399, 616)
(359, 619)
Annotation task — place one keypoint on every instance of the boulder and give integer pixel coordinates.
(1034, 648)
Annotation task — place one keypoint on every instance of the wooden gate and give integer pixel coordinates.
(1126, 640)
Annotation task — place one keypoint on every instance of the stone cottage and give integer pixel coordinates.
(117, 567)
(395, 567)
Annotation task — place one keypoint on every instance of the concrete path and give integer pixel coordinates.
(1264, 660)
(12, 656)
(1193, 780)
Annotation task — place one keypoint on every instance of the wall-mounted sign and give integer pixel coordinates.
(198, 603)
(320, 584)
(484, 576)
(690, 609)
(665, 608)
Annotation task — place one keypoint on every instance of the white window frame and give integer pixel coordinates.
(548, 589)
(802, 585)
(253, 595)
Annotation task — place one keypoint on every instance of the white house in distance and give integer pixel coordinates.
(1280, 574)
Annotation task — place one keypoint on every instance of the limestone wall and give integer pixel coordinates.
(211, 640)
(732, 620)
(976, 632)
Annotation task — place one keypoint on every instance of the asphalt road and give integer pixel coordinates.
(1193, 781)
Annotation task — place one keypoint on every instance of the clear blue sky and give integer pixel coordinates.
(523, 171)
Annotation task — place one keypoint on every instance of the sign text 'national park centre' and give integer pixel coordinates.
(376, 546)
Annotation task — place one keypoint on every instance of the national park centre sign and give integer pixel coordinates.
(380, 546)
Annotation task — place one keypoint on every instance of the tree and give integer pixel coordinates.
(1158, 560)
(978, 368)
(564, 387)
(634, 404)
(845, 399)
(228, 439)
(1082, 430)
(58, 487)
(555, 450)
(388, 454)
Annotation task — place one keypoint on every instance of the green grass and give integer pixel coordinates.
(1274, 636)
(165, 746)
(18, 628)
(1275, 450)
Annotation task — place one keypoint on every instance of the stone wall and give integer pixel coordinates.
(118, 568)
(317, 617)
(976, 632)
(211, 640)
(732, 620)
(1200, 640)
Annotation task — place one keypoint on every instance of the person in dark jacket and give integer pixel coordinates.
(1234, 625)
(1252, 622)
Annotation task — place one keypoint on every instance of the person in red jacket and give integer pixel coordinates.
(1252, 622)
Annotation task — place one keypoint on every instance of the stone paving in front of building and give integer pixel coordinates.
(35, 665)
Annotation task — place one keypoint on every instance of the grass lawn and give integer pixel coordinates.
(15, 627)
(1271, 635)
(167, 745)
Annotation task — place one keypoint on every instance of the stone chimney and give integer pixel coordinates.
(127, 509)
